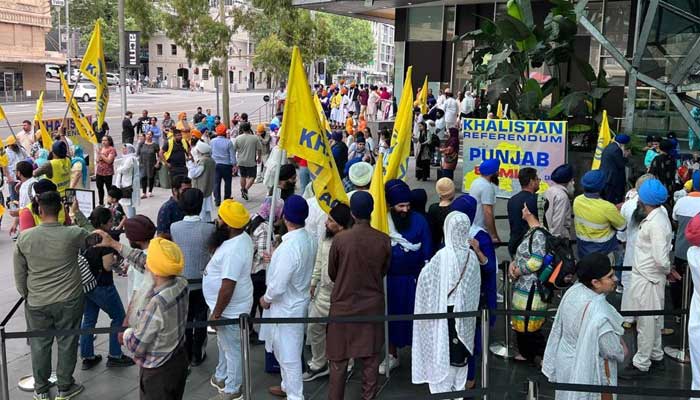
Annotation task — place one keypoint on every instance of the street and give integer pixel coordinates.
(156, 101)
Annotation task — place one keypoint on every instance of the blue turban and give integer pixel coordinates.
(337, 136)
(419, 198)
(397, 191)
(295, 209)
(563, 174)
(593, 181)
(696, 181)
(361, 205)
(653, 192)
(59, 149)
(465, 204)
(489, 167)
(622, 138)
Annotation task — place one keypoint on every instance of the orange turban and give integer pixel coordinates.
(181, 116)
(260, 128)
(220, 130)
(196, 133)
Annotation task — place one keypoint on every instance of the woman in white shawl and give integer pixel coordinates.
(127, 176)
(450, 281)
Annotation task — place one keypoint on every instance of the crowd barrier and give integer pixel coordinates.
(532, 386)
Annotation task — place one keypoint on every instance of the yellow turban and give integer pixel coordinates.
(233, 214)
(688, 186)
(164, 258)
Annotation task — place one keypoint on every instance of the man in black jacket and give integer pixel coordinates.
(127, 128)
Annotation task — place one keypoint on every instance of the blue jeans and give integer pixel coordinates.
(225, 172)
(304, 177)
(230, 367)
(105, 298)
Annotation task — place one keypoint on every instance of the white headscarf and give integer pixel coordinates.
(455, 266)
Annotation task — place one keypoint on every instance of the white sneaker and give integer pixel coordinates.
(351, 365)
(393, 364)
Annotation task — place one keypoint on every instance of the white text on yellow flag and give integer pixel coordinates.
(95, 69)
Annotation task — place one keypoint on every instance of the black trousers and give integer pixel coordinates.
(103, 183)
(166, 382)
(147, 182)
(531, 344)
(259, 289)
(423, 169)
(196, 339)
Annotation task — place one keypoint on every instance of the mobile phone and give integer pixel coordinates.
(93, 239)
(69, 196)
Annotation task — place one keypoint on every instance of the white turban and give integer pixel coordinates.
(360, 173)
(203, 148)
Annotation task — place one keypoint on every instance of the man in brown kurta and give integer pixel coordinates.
(357, 263)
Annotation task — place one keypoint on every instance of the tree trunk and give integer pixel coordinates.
(226, 119)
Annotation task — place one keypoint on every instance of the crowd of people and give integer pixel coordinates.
(207, 256)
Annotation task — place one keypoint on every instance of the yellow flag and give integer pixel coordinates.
(400, 147)
(321, 114)
(2, 114)
(423, 97)
(46, 139)
(4, 161)
(499, 110)
(604, 138)
(304, 135)
(380, 217)
(81, 122)
(95, 69)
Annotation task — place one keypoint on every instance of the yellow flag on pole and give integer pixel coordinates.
(46, 140)
(400, 147)
(604, 138)
(95, 69)
(304, 135)
(423, 97)
(2, 114)
(380, 217)
(81, 122)
(321, 114)
(499, 110)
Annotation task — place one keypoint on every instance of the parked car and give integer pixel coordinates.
(52, 71)
(112, 78)
(74, 76)
(85, 91)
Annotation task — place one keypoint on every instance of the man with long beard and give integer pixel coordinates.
(647, 287)
(411, 248)
(338, 220)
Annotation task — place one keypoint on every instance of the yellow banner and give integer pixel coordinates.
(400, 148)
(380, 217)
(81, 122)
(46, 139)
(94, 68)
(604, 138)
(304, 135)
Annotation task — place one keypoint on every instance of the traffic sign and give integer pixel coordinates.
(266, 98)
(59, 3)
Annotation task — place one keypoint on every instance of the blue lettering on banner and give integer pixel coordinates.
(524, 158)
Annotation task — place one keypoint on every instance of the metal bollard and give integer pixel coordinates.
(533, 389)
(245, 355)
(681, 353)
(503, 349)
(4, 380)
(484, 351)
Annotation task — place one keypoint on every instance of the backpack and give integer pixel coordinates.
(563, 262)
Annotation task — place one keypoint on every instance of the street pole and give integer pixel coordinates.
(68, 39)
(224, 68)
(216, 83)
(122, 59)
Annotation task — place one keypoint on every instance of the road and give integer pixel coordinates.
(156, 101)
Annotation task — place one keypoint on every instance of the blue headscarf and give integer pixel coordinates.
(78, 157)
(42, 158)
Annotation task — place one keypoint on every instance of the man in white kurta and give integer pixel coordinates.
(648, 283)
(584, 345)
(287, 296)
(692, 235)
(450, 281)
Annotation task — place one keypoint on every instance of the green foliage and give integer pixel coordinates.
(140, 15)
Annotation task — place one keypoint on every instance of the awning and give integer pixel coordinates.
(50, 57)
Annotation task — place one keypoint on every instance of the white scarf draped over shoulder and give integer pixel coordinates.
(397, 238)
(430, 353)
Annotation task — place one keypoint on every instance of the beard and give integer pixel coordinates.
(286, 191)
(329, 234)
(639, 214)
(218, 237)
(494, 179)
(401, 220)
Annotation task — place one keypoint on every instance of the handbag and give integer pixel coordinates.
(87, 278)
(459, 354)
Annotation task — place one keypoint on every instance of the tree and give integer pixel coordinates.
(351, 42)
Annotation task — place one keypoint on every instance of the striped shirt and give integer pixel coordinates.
(160, 329)
(596, 221)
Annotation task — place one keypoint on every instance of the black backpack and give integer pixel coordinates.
(563, 260)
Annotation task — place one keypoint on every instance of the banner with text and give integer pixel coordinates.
(516, 144)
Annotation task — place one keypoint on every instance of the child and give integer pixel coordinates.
(114, 194)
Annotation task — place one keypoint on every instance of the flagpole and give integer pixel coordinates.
(12, 131)
(70, 100)
(273, 203)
